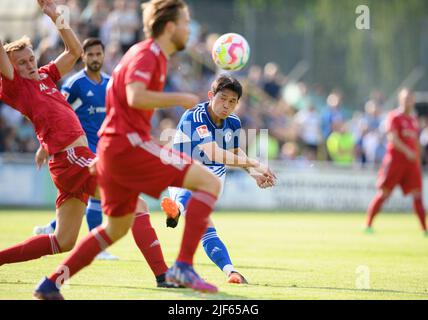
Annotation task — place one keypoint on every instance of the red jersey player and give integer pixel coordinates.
(33, 92)
(401, 164)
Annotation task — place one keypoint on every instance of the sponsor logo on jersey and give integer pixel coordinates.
(48, 90)
(43, 87)
(203, 131)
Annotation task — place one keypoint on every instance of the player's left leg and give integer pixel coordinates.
(69, 215)
(375, 206)
(214, 248)
(412, 184)
(147, 241)
(218, 253)
(419, 209)
(83, 254)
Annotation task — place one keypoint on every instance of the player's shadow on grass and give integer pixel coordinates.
(237, 266)
(183, 291)
(188, 293)
(339, 289)
(240, 266)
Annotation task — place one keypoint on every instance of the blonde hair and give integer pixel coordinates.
(157, 13)
(18, 45)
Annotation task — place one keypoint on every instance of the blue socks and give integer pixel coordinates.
(213, 246)
(53, 224)
(182, 198)
(216, 250)
(94, 215)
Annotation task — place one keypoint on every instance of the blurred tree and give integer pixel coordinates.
(343, 56)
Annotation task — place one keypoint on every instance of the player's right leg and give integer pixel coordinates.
(83, 254)
(175, 205)
(214, 247)
(390, 174)
(205, 188)
(375, 206)
(69, 215)
(146, 239)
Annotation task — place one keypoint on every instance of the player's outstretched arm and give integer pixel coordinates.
(217, 154)
(6, 67)
(240, 160)
(265, 180)
(73, 49)
(139, 97)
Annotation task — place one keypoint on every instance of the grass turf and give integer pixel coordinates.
(284, 256)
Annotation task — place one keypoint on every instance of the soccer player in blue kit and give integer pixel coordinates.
(85, 91)
(210, 133)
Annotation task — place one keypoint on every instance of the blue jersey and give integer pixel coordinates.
(88, 101)
(196, 128)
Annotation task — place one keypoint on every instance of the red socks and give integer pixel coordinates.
(420, 211)
(147, 241)
(374, 208)
(82, 255)
(33, 248)
(198, 210)
(377, 202)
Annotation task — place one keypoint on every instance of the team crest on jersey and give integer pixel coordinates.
(228, 136)
(203, 131)
(155, 49)
(43, 76)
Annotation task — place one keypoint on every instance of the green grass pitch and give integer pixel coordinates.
(283, 255)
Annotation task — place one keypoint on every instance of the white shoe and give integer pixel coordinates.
(104, 255)
(43, 229)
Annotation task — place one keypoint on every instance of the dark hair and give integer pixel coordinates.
(90, 42)
(157, 13)
(225, 81)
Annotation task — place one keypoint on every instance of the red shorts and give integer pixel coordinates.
(128, 166)
(70, 174)
(406, 174)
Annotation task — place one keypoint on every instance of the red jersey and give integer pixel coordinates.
(407, 128)
(55, 122)
(146, 63)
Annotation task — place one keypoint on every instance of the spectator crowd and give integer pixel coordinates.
(305, 122)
